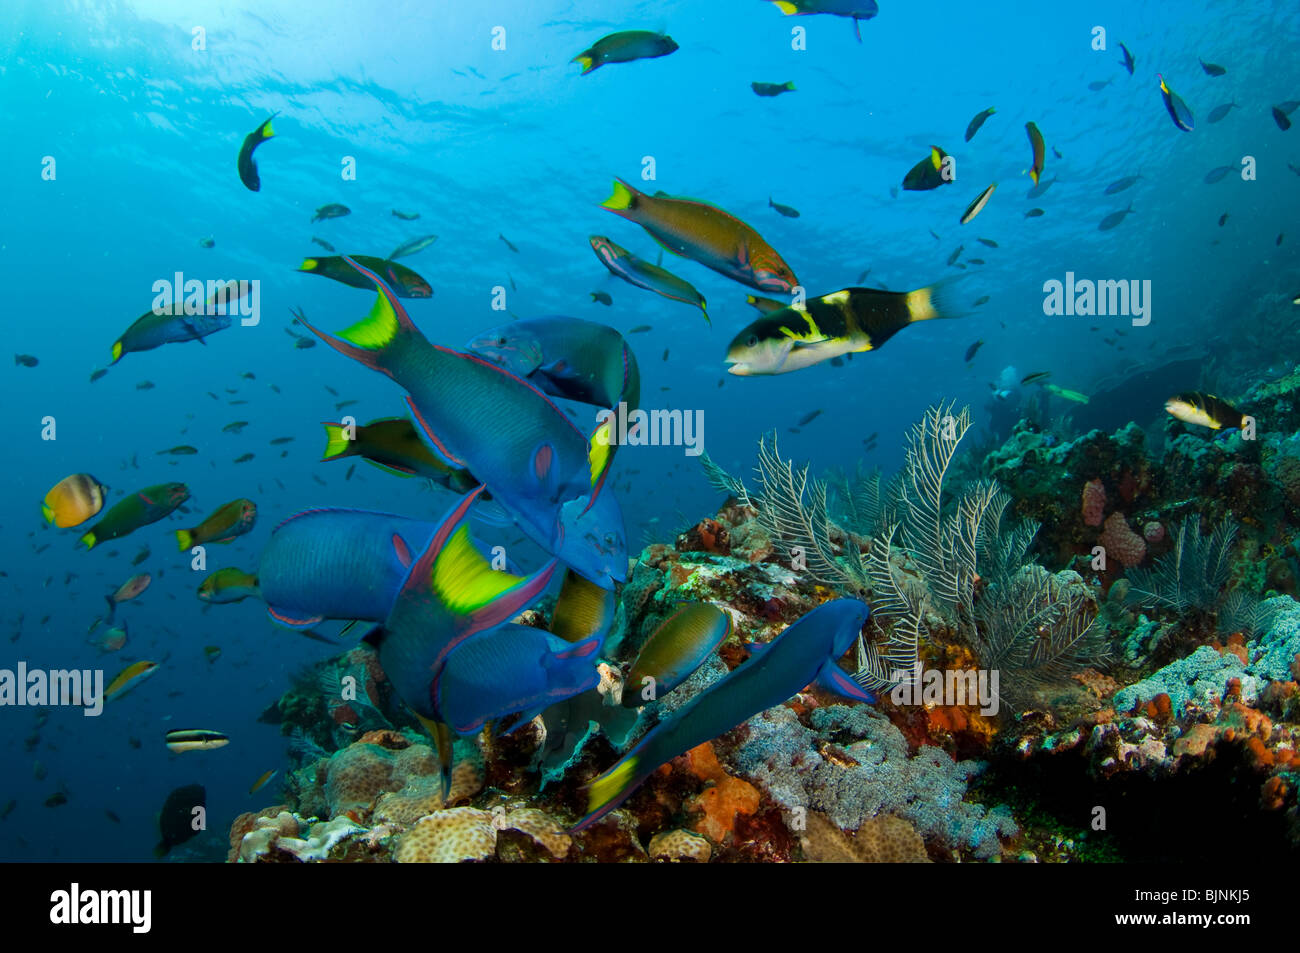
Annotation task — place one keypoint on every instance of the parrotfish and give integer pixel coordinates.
(405, 282)
(624, 47)
(974, 125)
(565, 357)
(228, 585)
(633, 270)
(708, 235)
(847, 321)
(476, 415)
(338, 564)
(928, 173)
(450, 595)
(394, 444)
(73, 500)
(1039, 151)
(1178, 111)
(805, 652)
(674, 650)
(582, 609)
(511, 668)
(857, 10)
(181, 321)
(247, 167)
(139, 509)
(232, 519)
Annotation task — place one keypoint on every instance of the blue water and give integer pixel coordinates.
(144, 131)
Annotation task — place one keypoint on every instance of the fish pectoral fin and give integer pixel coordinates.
(833, 679)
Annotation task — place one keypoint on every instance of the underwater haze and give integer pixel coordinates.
(125, 125)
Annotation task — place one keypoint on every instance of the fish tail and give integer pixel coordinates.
(789, 86)
(588, 62)
(623, 200)
(336, 442)
(117, 352)
(112, 609)
(789, 9)
(89, 540)
(184, 538)
(936, 301)
(266, 132)
(48, 512)
(611, 789)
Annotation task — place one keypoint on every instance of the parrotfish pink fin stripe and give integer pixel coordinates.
(446, 455)
(403, 551)
(291, 622)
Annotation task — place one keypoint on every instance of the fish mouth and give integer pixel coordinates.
(739, 368)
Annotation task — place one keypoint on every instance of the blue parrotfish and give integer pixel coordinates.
(450, 595)
(566, 357)
(481, 417)
(508, 669)
(338, 564)
(803, 653)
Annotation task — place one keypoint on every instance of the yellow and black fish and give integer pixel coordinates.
(247, 167)
(624, 47)
(195, 739)
(928, 173)
(1204, 410)
(854, 319)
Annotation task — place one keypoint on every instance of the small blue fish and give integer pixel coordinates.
(805, 652)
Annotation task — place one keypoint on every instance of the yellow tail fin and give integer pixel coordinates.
(336, 442)
(184, 537)
(622, 199)
(610, 784)
(376, 330)
(48, 512)
(89, 540)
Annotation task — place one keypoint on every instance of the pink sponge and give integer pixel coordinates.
(1121, 542)
(1094, 502)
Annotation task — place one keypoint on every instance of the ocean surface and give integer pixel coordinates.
(121, 141)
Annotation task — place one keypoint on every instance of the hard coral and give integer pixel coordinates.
(358, 774)
(679, 845)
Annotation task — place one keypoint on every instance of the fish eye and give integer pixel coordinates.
(751, 341)
(501, 342)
